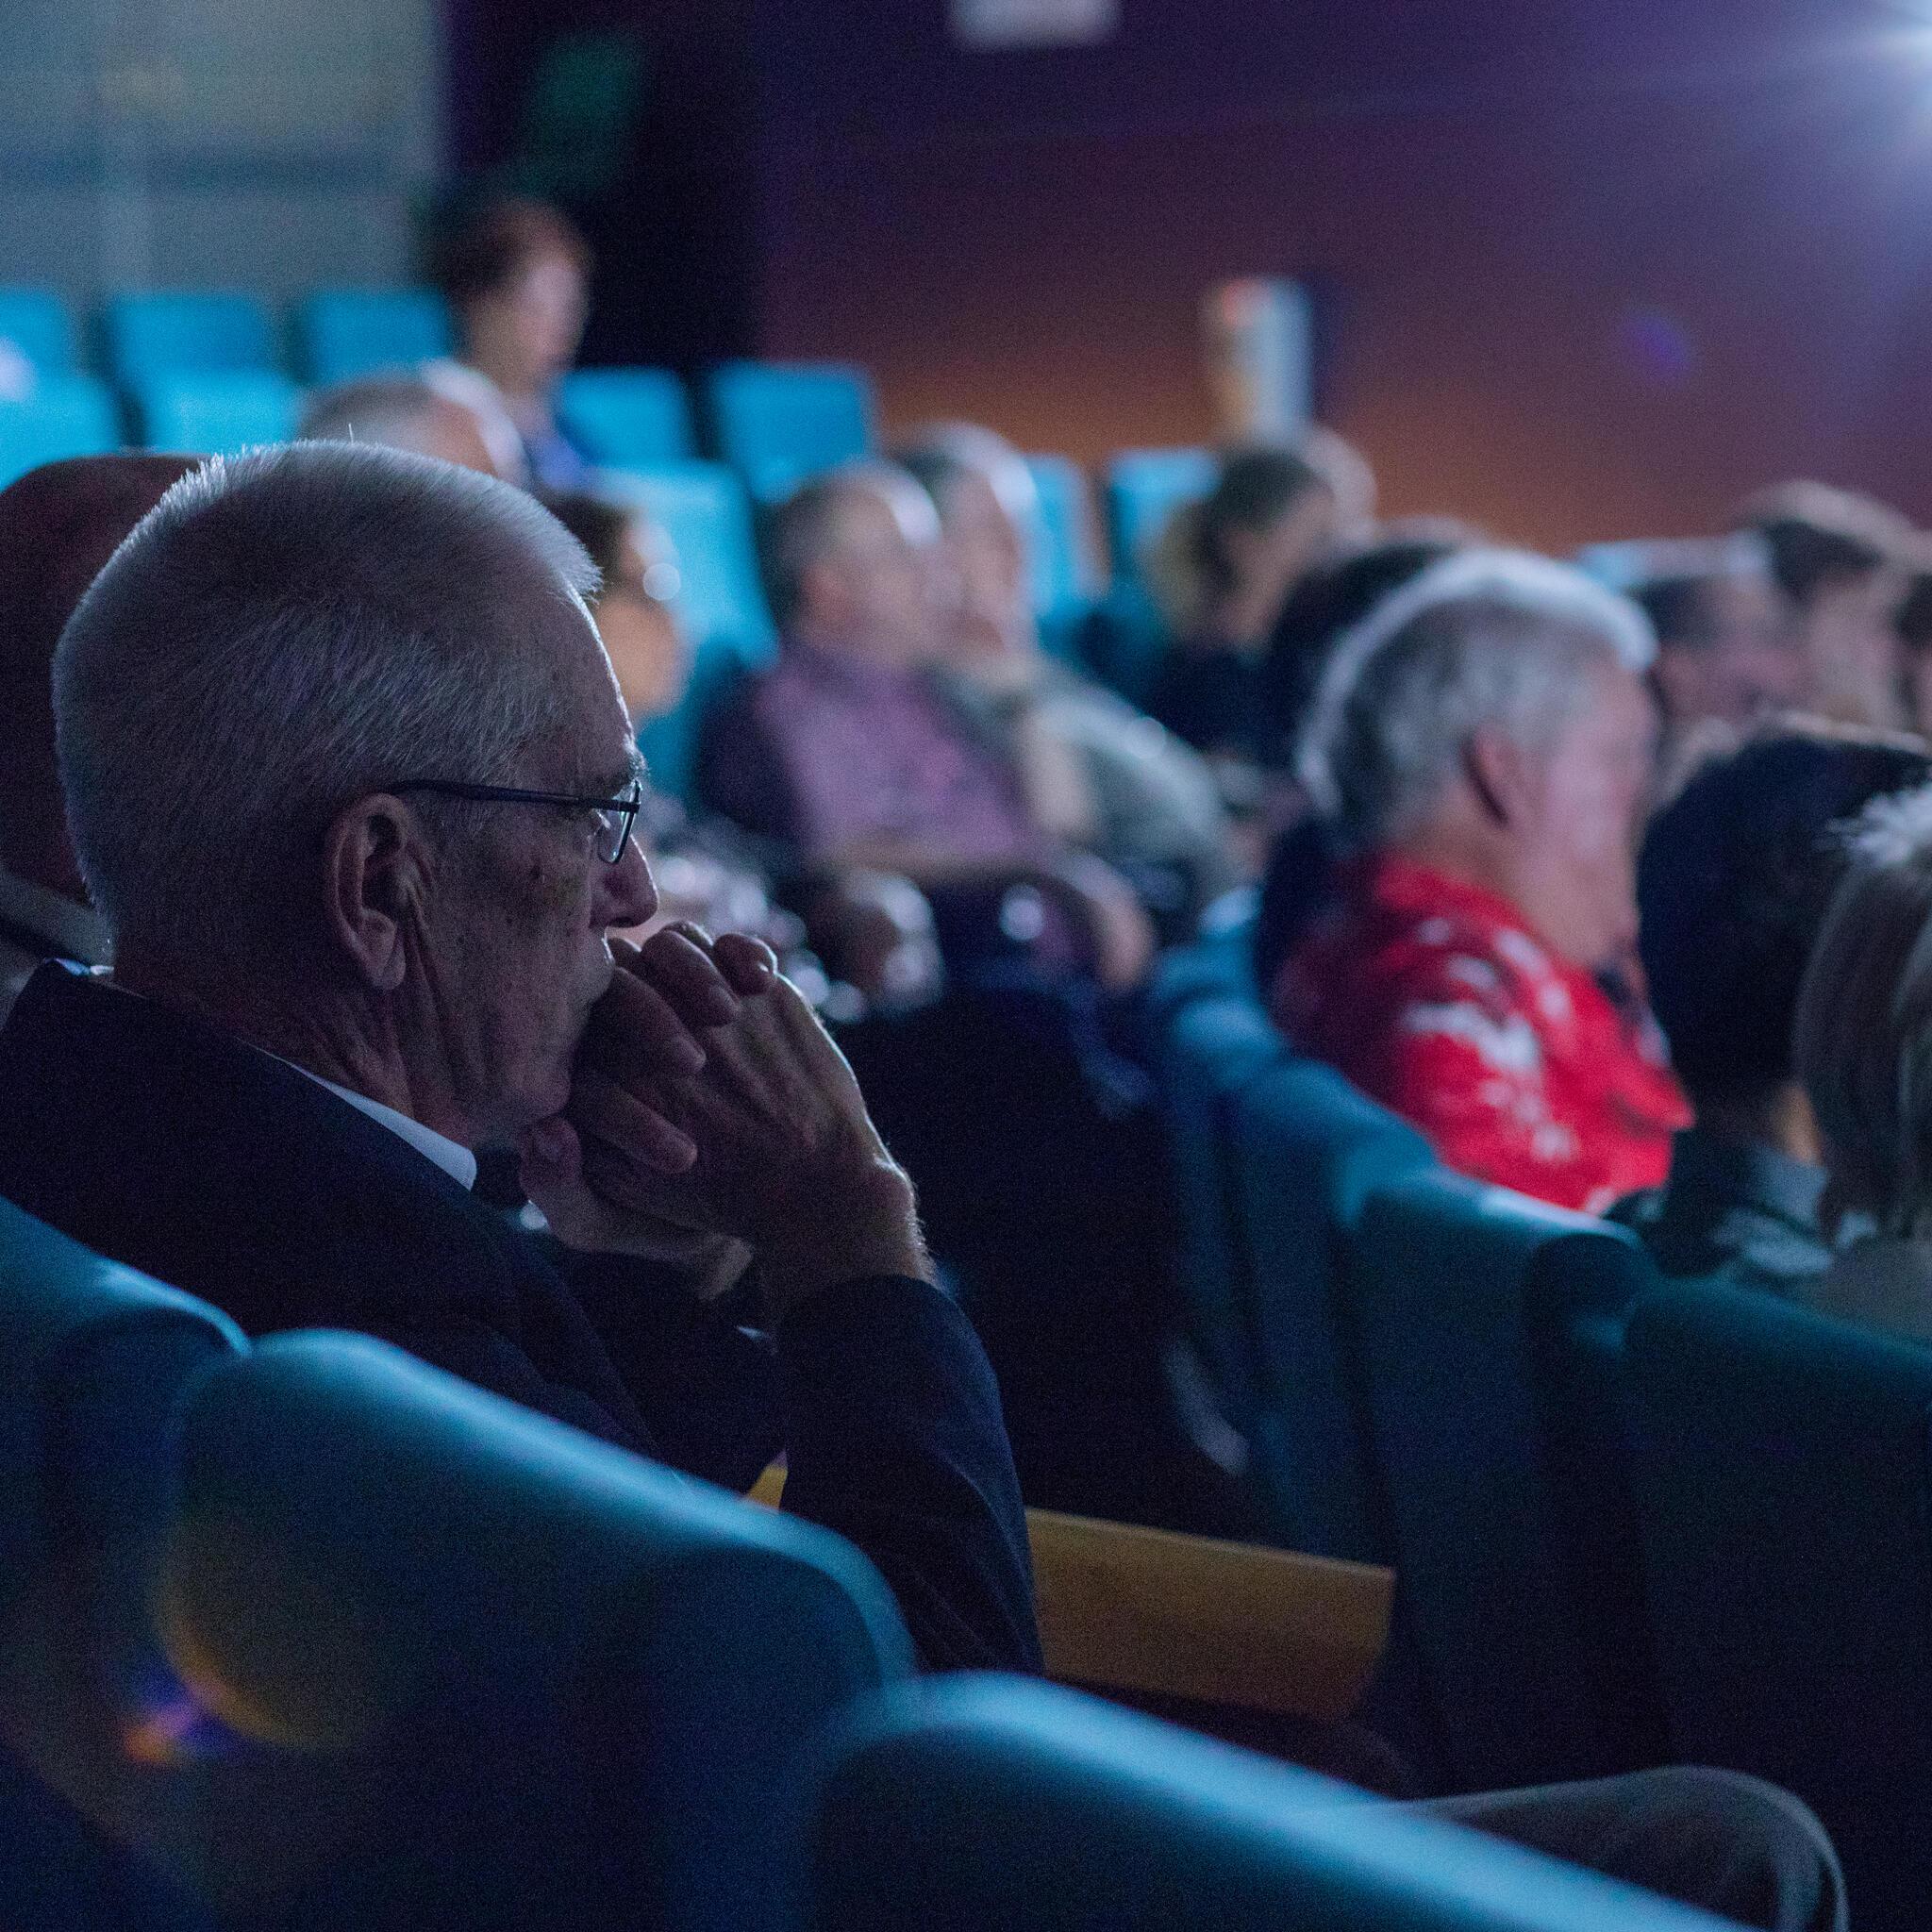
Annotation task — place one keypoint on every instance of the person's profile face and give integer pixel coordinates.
(640, 631)
(534, 322)
(1743, 661)
(986, 553)
(896, 580)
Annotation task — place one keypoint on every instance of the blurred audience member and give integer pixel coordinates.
(849, 752)
(58, 525)
(409, 412)
(515, 274)
(1222, 571)
(1840, 559)
(1480, 744)
(1732, 886)
(1097, 772)
(1915, 634)
(1727, 651)
(868, 934)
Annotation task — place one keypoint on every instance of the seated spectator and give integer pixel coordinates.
(1480, 744)
(409, 412)
(1861, 1052)
(1732, 886)
(514, 273)
(1840, 559)
(1915, 634)
(1097, 772)
(863, 935)
(59, 524)
(351, 784)
(1225, 568)
(848, 752)
(1728, 652)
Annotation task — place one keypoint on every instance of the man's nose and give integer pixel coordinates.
(630, 894)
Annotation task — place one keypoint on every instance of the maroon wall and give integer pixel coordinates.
(1585, 268)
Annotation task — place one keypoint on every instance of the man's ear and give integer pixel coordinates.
(375, 882)
(1494, 766)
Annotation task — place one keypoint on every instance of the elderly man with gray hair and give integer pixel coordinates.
(1481, 744)
(350, 780)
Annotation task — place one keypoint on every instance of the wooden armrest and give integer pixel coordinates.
(1155, 1613)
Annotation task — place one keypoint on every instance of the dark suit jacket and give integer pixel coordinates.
(170, 1146)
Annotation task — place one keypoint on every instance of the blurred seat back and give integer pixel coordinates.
(1060, 550)
(1514, 1541)
(626, 416)
(779, 423)
(166, 330)
(343, 333)
(477, 1670)
(60, 416)
(992, 1802)
(216, 411)
(37, 324)
(1781, 1466)
(1144, 488)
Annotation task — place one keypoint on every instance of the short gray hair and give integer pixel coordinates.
(810, 525)
(1863, 1039)
(393, 410)
(285, 632)
(1495, 638)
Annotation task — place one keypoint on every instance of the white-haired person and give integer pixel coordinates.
(1481, 745)
(1863, 1048)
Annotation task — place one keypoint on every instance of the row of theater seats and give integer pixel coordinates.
(1631, 1522)
(306, 1635)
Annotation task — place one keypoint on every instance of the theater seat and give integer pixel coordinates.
(165, 331)
(61, 416)
(217, 411)
(1065, 572)
(95, 1362)
(982, 1803)
(37, 324)
(1781, 1467)
(778, 423)
(477, 1669)
(1144, 487)
(626, 416)
(345, 333)
(1513, 1534)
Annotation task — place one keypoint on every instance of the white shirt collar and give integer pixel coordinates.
(453, 1157)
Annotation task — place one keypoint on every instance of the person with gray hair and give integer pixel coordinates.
(350, 782)
(1479, 746)
(1863, 1047)
(409, 412)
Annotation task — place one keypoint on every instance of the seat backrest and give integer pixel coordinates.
(1144, 487)
(779, 423)
(1060, 551)
(670, 743)
(1526, 1625)
(343, 333)
(478, 1670)
(95, 1364)
(38, 326)
(149, 333)
(982, 1801)
(703, 510)
(1781, 1464)
(1309, 1147)
(624, 416)
(61, 416)
(216, 411)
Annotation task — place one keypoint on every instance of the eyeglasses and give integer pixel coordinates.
(617, 816)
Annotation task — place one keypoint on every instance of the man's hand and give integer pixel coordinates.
(785, 1156)
(1120, 937)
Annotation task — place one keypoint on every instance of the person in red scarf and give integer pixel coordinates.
(1481, 746)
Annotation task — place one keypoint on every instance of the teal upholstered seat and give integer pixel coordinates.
(779, 423)
(149, 333)
(1144, 487)
(626, 416)
(37, 324)
(60, 416)
(343, 333)
(1065, 572)
(216, 411)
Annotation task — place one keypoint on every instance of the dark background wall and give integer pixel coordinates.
(1583, 268)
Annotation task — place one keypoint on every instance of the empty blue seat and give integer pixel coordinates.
(1144, 487)
(349, 332)
(36, 322)
(703, 510)
(1782, 1478)
(61, 416)
(476, 1668)
(1065, 573)
(217, 411)
(779, 423)
(1513, 1537)
(167, 331)
(993, 1803)
(626, 416)
(670, 743)
(1308, 1148)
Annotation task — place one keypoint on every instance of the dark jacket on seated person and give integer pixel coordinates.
(172, 1147)
(1742, 1213)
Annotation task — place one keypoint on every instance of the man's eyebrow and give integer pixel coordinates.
(632, 773)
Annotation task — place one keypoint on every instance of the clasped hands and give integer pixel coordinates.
(711, 1119)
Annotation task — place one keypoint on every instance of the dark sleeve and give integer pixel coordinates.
(894, 1438)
